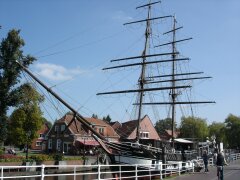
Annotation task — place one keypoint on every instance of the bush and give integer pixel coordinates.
(41, 158)
(10, 158)
(1, 151)
(74, 158)
(58, 157)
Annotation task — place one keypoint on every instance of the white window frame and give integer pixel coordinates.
(38, 143)
(50, 144)
(41, 136)
(62, 127)
(101, 130)
(144, 135)
(58, 144)
(56, 128)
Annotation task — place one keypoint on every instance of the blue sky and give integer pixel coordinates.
(73, 40)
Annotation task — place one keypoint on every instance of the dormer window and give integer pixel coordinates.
(63, 127)
(101, 130)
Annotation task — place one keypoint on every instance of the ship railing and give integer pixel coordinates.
(149, 147)
(190, 151)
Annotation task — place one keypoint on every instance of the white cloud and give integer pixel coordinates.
(122, 16)
(56, 72)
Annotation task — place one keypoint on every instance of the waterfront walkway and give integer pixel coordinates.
(231, 172)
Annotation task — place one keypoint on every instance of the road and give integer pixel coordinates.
(231, 172)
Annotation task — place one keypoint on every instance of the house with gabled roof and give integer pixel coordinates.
(128, 129)
(75, 138)
(39, 143)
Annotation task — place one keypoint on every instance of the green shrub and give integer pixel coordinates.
(1, 151)
(10, 158)
(58, 157)
(75, 158)
(41, 157)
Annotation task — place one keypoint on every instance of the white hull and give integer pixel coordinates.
(132, 160)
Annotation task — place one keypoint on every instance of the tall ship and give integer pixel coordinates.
(152, 80)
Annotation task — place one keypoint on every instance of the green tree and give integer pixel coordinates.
(10, 51)
(193, 127)
(27, 119)
(233, 131)
(49, 123)
(217, 129)
(95, 116)
(107, 119)
(162, 125)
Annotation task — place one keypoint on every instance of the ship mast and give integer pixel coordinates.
(142, 79)
(145, 60)
(173, 93)
(142, 76)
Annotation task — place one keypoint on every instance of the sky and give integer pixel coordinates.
(73, 40)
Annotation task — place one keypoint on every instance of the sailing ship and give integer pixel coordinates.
(176, 82)
(133, 152)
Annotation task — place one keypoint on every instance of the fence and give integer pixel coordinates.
(99, 172)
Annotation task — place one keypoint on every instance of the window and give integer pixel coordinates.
(58, 147)
(41, 135)
(62, 127)
(144, 135)
(50, 144)
(66, 147)
(56, 128)
(39, 143)
(101, 130)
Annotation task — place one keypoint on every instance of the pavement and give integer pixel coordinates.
(231, 172)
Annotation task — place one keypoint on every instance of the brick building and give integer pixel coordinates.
(128, 129)
(74, 138)
(39, 143)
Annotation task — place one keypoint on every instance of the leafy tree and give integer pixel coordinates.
(162, 125)
(10, 51)
(95, 116)
(217, 130)
(49, 124)
(107, 119)
(193, 127)
(27, 119)
(233, 131)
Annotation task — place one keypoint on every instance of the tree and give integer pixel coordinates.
(193, 127)
(232, 131)
(10, 51)
(217, 130)
(48, 123)
(107, 119)
(95, 116)
(27, 119)
(162, 125)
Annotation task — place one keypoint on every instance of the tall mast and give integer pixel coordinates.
(173, 93)
(144, 59)
(142, 76)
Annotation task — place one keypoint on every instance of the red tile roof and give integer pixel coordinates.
(77, 128)
(128, 129)
(175, 133)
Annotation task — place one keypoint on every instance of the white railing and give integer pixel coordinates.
(99, 172)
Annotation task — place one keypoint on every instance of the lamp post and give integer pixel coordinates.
(28, 134)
